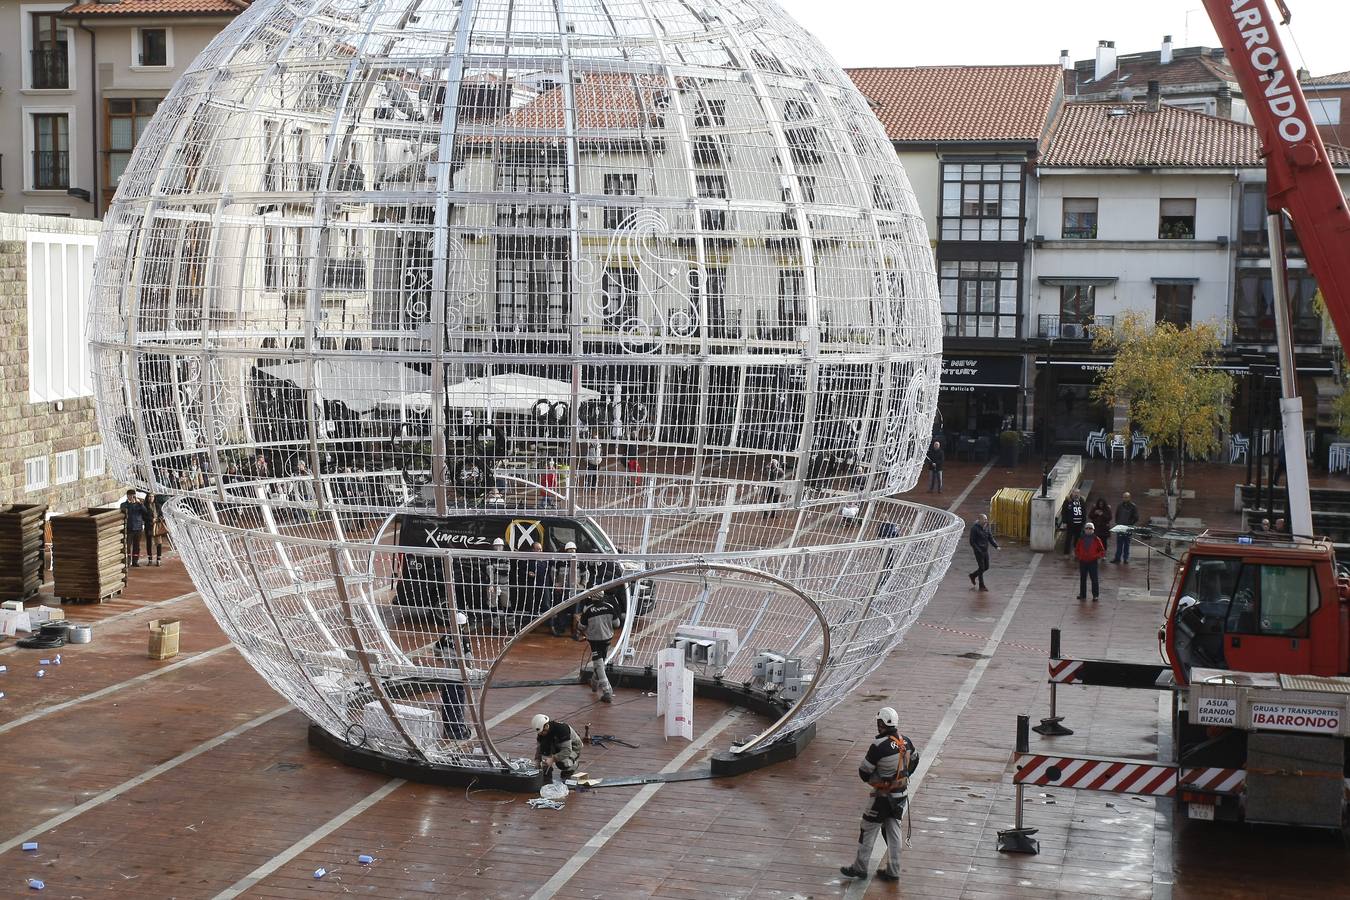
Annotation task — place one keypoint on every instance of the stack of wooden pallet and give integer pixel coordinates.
(88, 555)
(20, 550)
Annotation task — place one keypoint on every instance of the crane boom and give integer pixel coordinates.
(1299, 176)
(1301, 182)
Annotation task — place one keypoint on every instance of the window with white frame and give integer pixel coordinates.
(60, 267)
(1325, 110)
(67, 467)
(93, 461)
(35, 473)
(152, 48)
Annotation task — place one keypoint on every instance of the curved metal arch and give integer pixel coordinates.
(758, 739)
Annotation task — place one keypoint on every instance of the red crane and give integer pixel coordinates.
(1269, 603)
(1299, 177)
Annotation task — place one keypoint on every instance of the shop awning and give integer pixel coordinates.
(965, 373)
(1070, 280)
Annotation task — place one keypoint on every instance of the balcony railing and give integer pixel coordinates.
(51, 170)
(1261, 330)
(1051, 328)
(51, 71)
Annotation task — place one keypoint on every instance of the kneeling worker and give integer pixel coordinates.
(890, 761)
(557, 745)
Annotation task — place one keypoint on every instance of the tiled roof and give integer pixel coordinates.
(1114, 135)
(602, 101)
(1334, 78)
(1189, 65)
(962, 103)
(159, 8)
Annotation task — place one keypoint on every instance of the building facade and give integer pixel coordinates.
(970, 161)
(79, 85)
(50, 444)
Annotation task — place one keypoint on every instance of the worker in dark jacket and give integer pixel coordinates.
(1089, 551)
(981, 539)
(886, 769)
(556, 746)
(597, 621)
(1126, 514)
(935, 460)
(1073, 515)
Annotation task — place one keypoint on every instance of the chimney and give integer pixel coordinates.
(1165, 56)
(1154, 99)
(1064, 62)
(1223, 102)
(1304, 74)
(1106, 60)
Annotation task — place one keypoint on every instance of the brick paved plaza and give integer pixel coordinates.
(195, 779)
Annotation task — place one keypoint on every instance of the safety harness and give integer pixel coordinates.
(902, 767)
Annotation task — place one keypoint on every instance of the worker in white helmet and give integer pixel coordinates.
(557, 747)
(890, 761)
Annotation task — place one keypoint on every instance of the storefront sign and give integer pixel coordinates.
(1287, 717)
(1216, 711)
(966, 373)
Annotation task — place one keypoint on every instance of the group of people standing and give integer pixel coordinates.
(1085, 535)
(144, 528)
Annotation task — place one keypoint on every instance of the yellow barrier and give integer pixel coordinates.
(1010, 513)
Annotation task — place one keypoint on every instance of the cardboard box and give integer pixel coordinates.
(163, 638)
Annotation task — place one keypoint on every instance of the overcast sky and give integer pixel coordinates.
(964, 32)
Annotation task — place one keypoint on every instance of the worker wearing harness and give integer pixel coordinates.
(598, 621)
(890, 761)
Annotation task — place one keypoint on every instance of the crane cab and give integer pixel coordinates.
(1257, 603)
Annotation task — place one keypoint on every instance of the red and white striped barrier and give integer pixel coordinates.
(1122, 776)
(1218, 781)
(1065, 671)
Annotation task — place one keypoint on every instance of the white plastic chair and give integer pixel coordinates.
(1096, 442)
(1238, 447)
(1118, 446)
(1139, 445)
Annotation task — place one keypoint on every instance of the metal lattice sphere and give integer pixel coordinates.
(387, 280)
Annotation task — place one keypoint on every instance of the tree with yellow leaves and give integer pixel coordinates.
(1176, 393)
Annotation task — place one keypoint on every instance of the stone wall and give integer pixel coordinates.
(34, 429)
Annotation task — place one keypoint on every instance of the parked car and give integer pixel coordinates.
(421, 578)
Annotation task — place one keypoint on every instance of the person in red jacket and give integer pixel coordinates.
(1089, 551)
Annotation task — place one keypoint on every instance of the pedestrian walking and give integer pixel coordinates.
(601, 617)
(1073, 515)
(595, 460)
(981, 539)
(890, 760)
(156, 529)
(1089, 550)
(1100, 516)
(935, 460)
(1126, 514)
(557, 747)
(773, 495)
(135, 515)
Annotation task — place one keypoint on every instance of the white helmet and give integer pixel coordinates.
(570, 545)
(498, 542)
(888, 717)
(540, 722)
